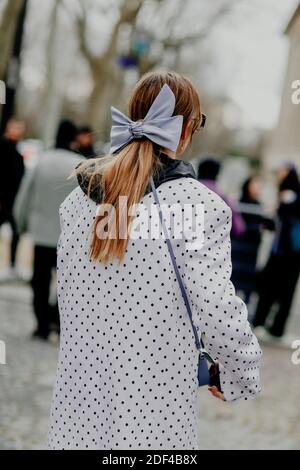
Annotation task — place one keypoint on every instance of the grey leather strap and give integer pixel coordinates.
(176, 270)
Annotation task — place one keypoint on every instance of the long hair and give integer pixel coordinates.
(127, 173)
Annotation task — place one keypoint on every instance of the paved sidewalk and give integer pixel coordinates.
(272, 421)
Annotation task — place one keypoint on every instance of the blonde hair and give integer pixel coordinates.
(128, 172)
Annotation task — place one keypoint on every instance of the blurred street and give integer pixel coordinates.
(270, 422)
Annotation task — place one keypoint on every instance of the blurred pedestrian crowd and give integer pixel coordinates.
(30, 198)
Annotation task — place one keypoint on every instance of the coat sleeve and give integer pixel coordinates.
(23, 203)
(217, 311)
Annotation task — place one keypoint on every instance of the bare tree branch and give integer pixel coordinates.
(7, 29)
(128, 14)
(81, 22)
(175, 43)
(106, 81)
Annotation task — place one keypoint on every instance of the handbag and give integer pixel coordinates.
(206, 375)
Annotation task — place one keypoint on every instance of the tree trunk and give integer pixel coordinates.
(107, 78)
(53, 99)
(98, 100)
(7, 31)
(107, 87)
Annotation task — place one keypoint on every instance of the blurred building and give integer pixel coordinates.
(284, 143)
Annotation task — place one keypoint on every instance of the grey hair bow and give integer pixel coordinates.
(159, 125)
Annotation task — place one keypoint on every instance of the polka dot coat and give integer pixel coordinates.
(127, 372)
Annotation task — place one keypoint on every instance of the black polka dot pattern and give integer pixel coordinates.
(127, 372)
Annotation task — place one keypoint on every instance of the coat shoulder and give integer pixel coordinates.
(76, 203)
(192, 191)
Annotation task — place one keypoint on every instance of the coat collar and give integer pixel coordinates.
(170, 169)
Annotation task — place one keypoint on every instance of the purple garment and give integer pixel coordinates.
(238, 224)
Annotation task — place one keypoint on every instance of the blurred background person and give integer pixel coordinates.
(85, 142)
(12, 171)
(279, 278)
(37, 211)
(245, 248)
(208, 171)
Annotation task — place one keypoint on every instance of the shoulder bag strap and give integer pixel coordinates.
(173, 259)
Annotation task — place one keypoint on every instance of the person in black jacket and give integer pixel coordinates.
(12, 171)
(280, 275)
(245, 248)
